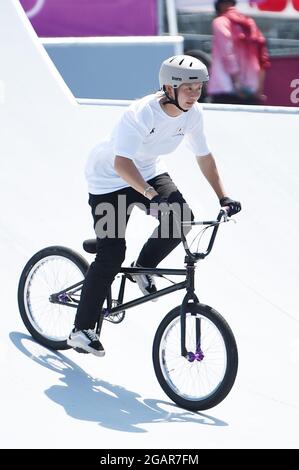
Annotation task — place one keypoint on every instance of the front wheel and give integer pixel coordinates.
(206, 375)
(50, 271)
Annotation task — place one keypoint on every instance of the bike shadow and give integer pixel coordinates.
(88, 398)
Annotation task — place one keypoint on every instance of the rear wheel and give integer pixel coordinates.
(203, 378)
(50, 271)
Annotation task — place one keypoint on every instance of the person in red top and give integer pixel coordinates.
(239, 57)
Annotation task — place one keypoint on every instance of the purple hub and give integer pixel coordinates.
(63, 297)
(197, 356)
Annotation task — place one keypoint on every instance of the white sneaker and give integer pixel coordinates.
(87, 340)
(145, 282)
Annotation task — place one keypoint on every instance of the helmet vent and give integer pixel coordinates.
(190, 64)
(181, 61)
(172, 59)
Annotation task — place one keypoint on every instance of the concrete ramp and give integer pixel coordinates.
(67, 400)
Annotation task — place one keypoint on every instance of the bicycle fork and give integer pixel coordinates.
(197, 355)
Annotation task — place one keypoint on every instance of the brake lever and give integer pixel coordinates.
(226, 217)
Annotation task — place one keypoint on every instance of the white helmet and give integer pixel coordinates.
(182, 69)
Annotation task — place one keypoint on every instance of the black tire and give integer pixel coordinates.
(206, 59)
(79, 267)
(200, 55)
(227, 340)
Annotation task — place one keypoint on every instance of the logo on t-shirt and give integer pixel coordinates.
(180, 131)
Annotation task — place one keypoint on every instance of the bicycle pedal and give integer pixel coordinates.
(81, 351)
(116, 318)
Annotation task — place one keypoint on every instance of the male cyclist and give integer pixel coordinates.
(126, 169)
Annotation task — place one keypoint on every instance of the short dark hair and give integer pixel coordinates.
(219, 2)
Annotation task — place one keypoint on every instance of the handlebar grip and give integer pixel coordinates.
(224, 211)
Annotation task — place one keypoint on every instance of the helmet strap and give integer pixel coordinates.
(174, 101)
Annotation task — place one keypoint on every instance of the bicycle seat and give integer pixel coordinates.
(90, 245)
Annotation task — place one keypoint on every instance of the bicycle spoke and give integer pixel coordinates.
(199, 379)
(50, 275)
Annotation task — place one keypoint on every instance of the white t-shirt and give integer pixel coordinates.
(143, 133)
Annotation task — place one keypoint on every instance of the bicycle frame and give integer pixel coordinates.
(65, 297)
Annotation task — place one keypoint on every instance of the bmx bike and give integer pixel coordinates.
(194, 353)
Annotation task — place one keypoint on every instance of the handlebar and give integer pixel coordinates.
(196, 256)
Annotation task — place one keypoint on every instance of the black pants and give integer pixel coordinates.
(111, 215)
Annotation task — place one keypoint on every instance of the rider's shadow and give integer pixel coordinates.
(111, 406)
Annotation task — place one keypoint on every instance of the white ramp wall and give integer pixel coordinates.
(251, 277)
